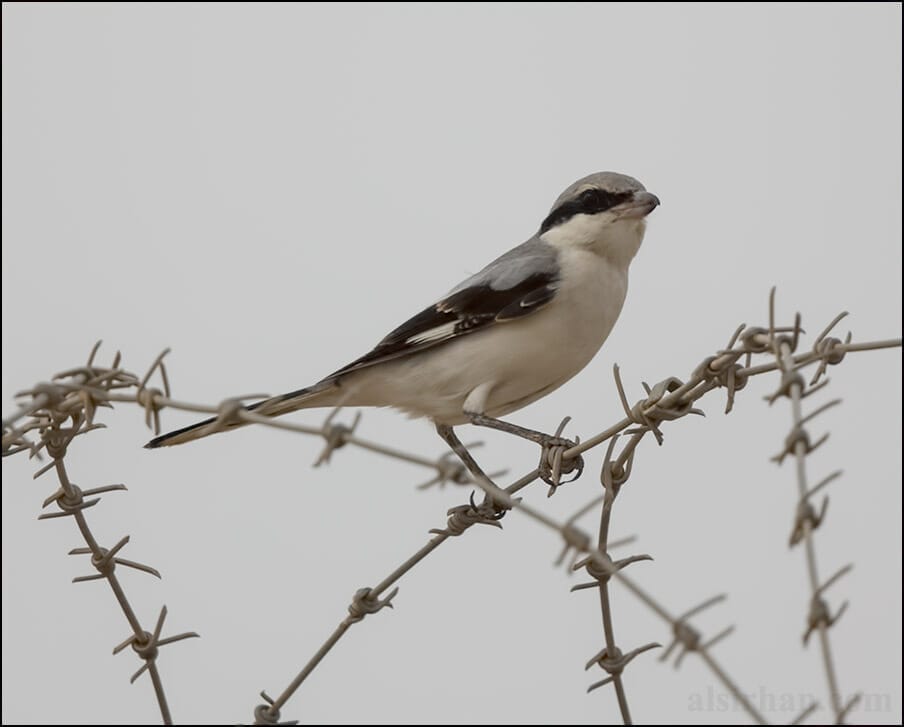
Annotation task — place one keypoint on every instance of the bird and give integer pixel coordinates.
(506, 336)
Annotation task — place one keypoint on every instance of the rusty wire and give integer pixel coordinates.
(60, 410)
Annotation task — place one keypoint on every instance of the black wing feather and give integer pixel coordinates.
(460, 313)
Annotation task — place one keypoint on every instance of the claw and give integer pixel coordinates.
(553, 465)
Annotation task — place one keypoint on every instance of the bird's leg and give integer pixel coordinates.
(482, 420)
(548, 442)
(480, 477)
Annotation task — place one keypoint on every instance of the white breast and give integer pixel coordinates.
(561, 339)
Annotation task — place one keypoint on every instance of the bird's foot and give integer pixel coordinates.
(554, 464)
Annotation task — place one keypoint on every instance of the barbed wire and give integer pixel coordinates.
(73, 397)
(798, 444)
(52, 407)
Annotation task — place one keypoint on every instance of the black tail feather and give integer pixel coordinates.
(163, 439)
(268, 407)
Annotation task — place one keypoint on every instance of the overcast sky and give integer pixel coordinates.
(268, 189)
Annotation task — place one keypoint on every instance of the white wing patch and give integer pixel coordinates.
(434, 334)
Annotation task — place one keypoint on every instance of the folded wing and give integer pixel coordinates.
(517, 284)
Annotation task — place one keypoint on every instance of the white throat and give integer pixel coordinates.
(612, 238)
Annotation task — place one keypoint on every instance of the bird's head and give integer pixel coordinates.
(604, 212)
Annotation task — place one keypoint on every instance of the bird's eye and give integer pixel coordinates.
(596, 200)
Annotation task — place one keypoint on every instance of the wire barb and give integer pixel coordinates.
(147, 645)
(336, 436)
(614, 665)
(365, 602)
(687, 637)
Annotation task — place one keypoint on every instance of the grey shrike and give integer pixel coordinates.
(506, 336)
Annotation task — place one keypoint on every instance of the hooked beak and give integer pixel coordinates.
(640, 205)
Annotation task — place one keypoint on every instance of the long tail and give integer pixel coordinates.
(322, 394)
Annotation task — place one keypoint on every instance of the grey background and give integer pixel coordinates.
(269, 189)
